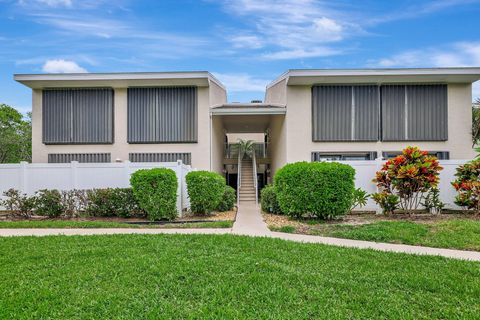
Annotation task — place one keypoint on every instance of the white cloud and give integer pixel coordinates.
(56, 3)
(290, 27)
(246, 41)
(48, 3)
(238, 82)
(62, 66)
(461, 54)
(300, 53)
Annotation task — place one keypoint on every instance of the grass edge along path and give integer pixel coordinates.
(70, 224)
(461, 234)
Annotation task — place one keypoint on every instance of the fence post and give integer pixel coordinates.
(74, 174)
(126, 171)
(179, 173)
(378, 167)
(23, 177)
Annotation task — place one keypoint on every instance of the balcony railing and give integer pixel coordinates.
(232, 149)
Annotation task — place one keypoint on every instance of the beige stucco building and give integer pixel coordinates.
(307, 115)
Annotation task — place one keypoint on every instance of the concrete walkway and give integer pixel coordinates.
(249, 222)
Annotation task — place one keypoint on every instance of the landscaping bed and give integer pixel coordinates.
(453, 230)
(213, 220)
(226, 277)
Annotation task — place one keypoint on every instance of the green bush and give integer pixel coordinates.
(156, 192)
(18, 204)
(228, 200)
(48, 203)
(205, 190)
(268, 200)
(112, 202)
(320, 189)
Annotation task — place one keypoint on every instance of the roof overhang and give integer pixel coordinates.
(248, 109)
(118, 80)
(378, 76)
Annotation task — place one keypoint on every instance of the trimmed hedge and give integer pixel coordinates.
(268, 200)
(156, 192)
(228, 200)
(113, 202)
(321, 189)
(205, 190)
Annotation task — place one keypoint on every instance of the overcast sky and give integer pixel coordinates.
(245, 43)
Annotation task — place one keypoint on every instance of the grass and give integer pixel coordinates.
(451, 233)
(107, 224)
(226, 277)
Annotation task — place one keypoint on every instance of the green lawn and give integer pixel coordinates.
(226, 277)
(453, 233)
(107, 224)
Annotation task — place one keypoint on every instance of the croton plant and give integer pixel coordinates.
(467, 185)
(405, 180)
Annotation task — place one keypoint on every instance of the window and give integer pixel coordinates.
(161, 157)
(345, 113)
(386, 112)
(77, 116)
(162, 115)
(344, 156)
(414, 113)
(441, 155)
(80, 157)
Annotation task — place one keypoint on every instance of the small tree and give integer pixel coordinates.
(408, 176)
(246, 147)
(15, 136)
(467, 185)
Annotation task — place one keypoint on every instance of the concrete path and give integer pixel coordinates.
(249, 222)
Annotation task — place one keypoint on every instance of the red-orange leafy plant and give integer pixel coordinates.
(409, 176)
(467, 185)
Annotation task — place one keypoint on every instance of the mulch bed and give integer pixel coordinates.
(359, 218)
(188, 217)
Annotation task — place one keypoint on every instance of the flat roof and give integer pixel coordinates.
(391, 75)
(248, 109)
(117, 79)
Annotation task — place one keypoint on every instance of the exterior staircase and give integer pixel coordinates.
(247, 188)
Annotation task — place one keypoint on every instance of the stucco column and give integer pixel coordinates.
(120, 146)
(39, 153)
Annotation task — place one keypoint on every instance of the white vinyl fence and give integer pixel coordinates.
(31, 177)
(365, 172)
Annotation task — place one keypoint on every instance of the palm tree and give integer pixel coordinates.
(476, 122)
(246, 148)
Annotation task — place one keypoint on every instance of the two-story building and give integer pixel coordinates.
(307, 115)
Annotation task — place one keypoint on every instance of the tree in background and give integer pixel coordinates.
(476, 122)
(15, 136)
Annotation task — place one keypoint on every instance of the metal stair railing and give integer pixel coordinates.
(255, 180)
(239, 177)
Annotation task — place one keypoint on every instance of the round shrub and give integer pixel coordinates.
(228, 200)
(320, 189)
(205, 190)
(48, 203)
(156, 192)
(268, 200)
